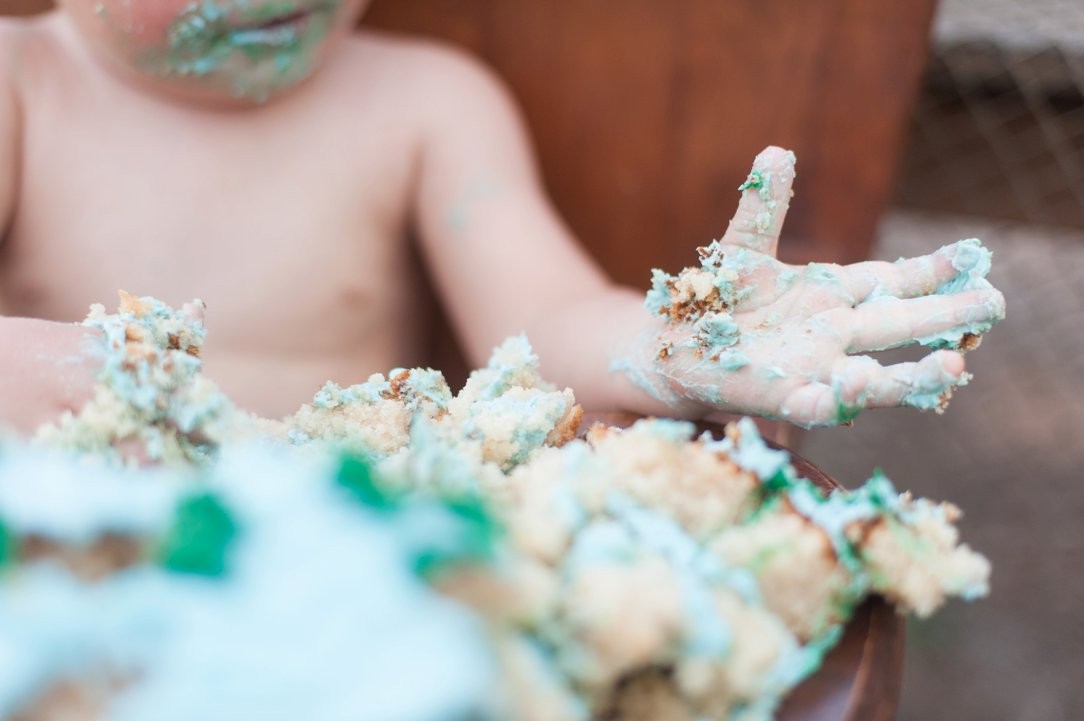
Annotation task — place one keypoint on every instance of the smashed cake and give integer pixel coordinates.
(625, 574)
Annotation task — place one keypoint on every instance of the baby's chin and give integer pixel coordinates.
(236, 80)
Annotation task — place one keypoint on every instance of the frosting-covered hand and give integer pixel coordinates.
(747, 333)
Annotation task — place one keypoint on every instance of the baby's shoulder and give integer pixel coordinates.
(432, 73)
(415, 56)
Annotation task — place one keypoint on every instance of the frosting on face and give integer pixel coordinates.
(257, 49)
(245, 49)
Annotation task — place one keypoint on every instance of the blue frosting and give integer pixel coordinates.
(716, 332)
(658, 298)
(320, 616)
(751, 453)
(972, 260)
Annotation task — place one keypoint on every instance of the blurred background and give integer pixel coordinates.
(915, 124)
(996, 150)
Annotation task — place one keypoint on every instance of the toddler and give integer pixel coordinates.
(263, 156)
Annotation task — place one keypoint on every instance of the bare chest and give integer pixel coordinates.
(281, 227)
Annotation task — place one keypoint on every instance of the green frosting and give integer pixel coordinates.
(845, 413)
(478, 532)
(200, 537)
(355, 476)
(208, 34)
(755, 181)
(472, 531)
(7, 546)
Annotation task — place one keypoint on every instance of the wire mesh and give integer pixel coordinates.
(999, 127)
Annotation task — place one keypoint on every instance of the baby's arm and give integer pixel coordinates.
(44, 369)
(501, 258)
(504, 263)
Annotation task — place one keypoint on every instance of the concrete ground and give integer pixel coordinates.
(1010, 452)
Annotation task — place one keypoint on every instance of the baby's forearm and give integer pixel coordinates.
(595, 345)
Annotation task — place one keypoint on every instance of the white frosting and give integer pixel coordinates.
(318, 616)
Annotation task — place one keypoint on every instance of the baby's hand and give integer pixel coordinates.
(46, 368)
(150, 400)
(747, 333)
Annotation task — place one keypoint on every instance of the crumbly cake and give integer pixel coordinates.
(628, 574)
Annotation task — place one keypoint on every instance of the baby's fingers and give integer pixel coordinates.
(965, 260)
(860, 382)
(764, 202)
(938, 321)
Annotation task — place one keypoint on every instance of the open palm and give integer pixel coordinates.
(750, 334)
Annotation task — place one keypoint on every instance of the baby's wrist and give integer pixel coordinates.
(648, 368)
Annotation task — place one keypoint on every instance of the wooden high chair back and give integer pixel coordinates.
(646, 114)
